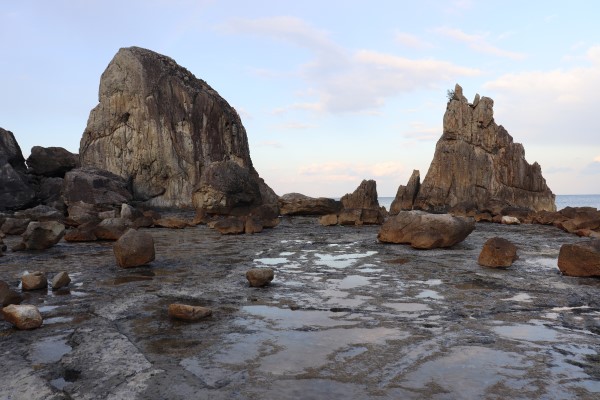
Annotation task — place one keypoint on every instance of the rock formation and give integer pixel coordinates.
(405, 196)
(497, 253)
(51, 161)
(360, 207)
(15, 191)
(476, 161)
(172, 135)
(299, 204)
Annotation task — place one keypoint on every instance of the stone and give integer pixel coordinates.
(50, 193)
(253, 225)
(130, 213)
(329, 220)
(267, 214)
(188, 313)
(8, 295)
(350, 216)
(42, 235)
(34, 281)
(81, 213)
(134, 249)
(508, 220)
(51, 161)
(406, 195)
(83, 233)
(171, 135)
(171, 223)
(108, 214)
(40, 213)
(15, 190)
(580, 259)
(299, 204)
(476, 160)
(361, 207)
(483, 217)
(60, 280)
(497, 252)
(96, 187)
(23, 316)
(259, 277)
(15, 226)
(230, 226)
(425, 231)
(111, 228)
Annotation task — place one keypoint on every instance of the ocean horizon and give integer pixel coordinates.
(562, 201)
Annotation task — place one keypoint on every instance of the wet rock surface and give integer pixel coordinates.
(348, 317)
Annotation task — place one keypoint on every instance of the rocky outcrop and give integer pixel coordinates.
(172, 136)
(299, 204)
(15, 190)
(477, 161)
(425, 231)
(580, 259)
(406, 195)
(497, 253)
(51, 161)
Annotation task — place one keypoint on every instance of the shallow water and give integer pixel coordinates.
(345, 317)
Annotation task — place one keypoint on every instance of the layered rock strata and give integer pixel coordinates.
(177, 141)
(477, 162)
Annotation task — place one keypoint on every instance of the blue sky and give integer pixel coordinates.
(330, 92)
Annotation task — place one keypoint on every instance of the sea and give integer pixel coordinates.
(562, 201)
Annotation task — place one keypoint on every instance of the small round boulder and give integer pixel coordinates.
(259, 277)
(134, 249)
(60, 280)
(188, 313)
(34, 281)
(23, 316)
(497, 253)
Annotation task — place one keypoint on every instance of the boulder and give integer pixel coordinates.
(130, 213)
(8, 296)
(267, 214)
(476, 160)
(50, 193)
(60, 280)
(171, 223)
(497, 252)
(15, 226)
(40, 213)
(406, 195)
(580, 259)
(42, 235)
(51, 161)
(425, 231)
(329, 220)
(15, 190)
(23, 316)
(96, 187)
(188, 313)
(258, 277)
(253, 225)
(81, 213)
(34, 281)
(361, 207)
(508, 220)
(83, 233)
(230, 226)
(299, 204)
(178, 142)
(111, 228)
(134, 249)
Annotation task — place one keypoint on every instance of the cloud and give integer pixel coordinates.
(409, 40)
(351, 171)
(551, 106)
(341, 80)
(592, 168)
(270, 143)
(422, 132)
(294, 126)
(478, 43)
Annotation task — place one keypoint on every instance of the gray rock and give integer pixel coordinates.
(34, 281)
(8, 295)
(51, 161)
(95, 186)
(60, 280)
(42, 235)
(14, 226)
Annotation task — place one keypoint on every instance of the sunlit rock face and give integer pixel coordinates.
(170, 134)
(477, 162)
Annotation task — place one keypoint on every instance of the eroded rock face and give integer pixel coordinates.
(172, 135)
(15, 191)
(426, 231)
(476, 160)
(406, 195)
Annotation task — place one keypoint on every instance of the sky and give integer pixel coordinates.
(330, 92)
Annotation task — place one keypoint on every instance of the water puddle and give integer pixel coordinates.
(527, 332)
(354, 281)
(521, 297)
(294, 319)
(429, 294)
(341, 261)
(408, 307)
(271, 261)
(49, 350)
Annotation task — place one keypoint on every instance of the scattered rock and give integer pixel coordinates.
(508, 220)
(329, 220)
(50, 193)
(34, 281)
(171, 223)
(425, 231)
(111, 228)
(134, 249)
(497, 252)
(580, 259)
(476, 160)
(8, 296)
(23, 316)
(188, 313)
(60, 280)
(258, 277)
(51, 161)
(40, 213)
(406, 195)
(299, 204)
(42, 235)
(15, 226)
(83, 233)
(230, 226)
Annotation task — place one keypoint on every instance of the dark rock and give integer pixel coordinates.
(42, 235)
(40, 213)
(425, 231)
(130, 213)
(134, 249)
(267, 214)
(258, 277)
(111, 228)
(299, 204)
(95, 186)
(406, 195)
(8, 296)
(497, 252)
(230, 226)
(51, 161)
(15, 226)
(580, 259)
(50, 193)
(60, 280)
(83, 233)
(15, 190)
(365, 196)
